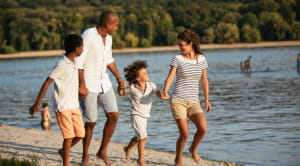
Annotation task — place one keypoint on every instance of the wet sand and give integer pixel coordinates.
(31, 54)
(27, 142)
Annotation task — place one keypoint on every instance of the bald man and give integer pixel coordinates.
(95, 87)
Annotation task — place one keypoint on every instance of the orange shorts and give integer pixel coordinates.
(70, 123)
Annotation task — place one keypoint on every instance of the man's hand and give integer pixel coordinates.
(122, 83)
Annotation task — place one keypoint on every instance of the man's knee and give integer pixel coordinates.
(114, 116)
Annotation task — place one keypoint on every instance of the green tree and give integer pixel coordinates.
(146, 29)
(231, 17)
(249, 34)
(273, 27)
(145, 43)
(117, 41)
(171, 38)
(131, 40)
(250, 19)
(227, 33)
(295, 32)
(27, 34)
(131, 23)
(208, 36)
(287, 11)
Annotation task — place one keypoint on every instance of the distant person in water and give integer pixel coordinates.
(267, 69)
(46, 117)
(298, 63)
(242, 67)
(247, 65)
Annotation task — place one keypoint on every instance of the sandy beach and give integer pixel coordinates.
(30, 54)
(27, 142)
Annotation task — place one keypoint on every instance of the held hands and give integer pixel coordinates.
(33, 109)
(121, 82)
(83, 91)
(163, 95)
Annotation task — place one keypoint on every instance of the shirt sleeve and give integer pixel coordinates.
(127, 90)
(154, 87)
(56, 72)
(204, 63)
(174, 62)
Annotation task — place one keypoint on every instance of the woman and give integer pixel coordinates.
(190, 69)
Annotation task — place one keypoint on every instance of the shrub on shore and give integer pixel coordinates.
(17, 161)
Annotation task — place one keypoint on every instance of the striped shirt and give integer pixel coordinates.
(188, 76)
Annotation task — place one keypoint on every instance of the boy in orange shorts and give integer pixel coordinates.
(65, 77)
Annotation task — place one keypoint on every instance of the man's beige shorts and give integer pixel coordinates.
(183, 109)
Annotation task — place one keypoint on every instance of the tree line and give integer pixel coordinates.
(42, 24)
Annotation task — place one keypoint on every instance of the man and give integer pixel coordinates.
(95, 87)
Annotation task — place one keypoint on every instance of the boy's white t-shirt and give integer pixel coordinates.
(65, 76)
(141, 102)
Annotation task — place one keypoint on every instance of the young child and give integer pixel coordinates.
(141, 91)
(65, 77)
(46, 117)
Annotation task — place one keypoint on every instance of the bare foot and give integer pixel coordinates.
(85, 161)
(195, 156)
(178, 162)
(104, 157)
(141, 163)
(61, 153)
(127, 154)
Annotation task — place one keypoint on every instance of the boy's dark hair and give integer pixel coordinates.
(190, 37)
(45, 105)
(71, 42)
(106, 17)
(131, 71)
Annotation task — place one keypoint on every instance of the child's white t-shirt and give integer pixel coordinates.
(65, 76)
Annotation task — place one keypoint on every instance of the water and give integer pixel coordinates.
(255, 119)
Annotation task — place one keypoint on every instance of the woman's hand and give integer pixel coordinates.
(208, 106)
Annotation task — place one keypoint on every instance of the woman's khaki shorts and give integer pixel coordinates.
(183, 109)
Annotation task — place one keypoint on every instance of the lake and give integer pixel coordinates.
(255, 118)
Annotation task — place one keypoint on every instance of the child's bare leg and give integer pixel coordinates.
(66, 151)
(127, 149)
(141, 150)
(75, 140)
(200, 123)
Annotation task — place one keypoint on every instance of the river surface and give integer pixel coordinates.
(255, 118)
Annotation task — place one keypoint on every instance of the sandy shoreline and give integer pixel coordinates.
(31, 54)
(27, 142)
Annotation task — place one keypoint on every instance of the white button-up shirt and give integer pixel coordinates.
(94, 60)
